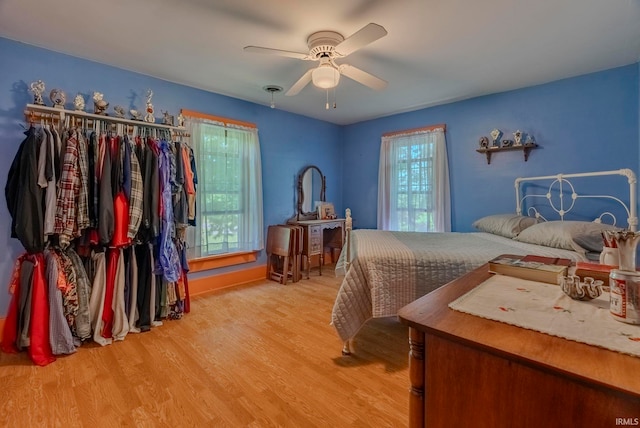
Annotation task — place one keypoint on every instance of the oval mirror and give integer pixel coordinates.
(311, 189)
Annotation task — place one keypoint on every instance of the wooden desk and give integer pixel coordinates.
(319, 234)
(469, 371)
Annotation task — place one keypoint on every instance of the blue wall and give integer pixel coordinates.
(586, 123)
(288, 141)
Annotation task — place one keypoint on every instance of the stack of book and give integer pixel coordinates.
(534, 268)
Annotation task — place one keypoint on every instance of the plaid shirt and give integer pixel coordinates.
(68, 189)
(82, 215)
(136, 198)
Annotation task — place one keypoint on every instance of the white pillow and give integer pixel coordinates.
(507, 225)
(578, 236)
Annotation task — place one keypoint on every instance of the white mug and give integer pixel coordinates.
(610, 256)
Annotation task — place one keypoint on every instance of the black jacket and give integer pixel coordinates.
(25, 199)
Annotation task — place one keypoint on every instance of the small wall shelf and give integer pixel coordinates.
(525, 148)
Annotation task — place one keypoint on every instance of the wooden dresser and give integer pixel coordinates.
(467, 371)
(318, 235)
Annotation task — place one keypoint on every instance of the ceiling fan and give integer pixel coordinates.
(325, 47)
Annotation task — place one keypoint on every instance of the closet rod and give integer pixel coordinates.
(34, 108)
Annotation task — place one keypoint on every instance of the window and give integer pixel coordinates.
(229, 190)
(413, 181)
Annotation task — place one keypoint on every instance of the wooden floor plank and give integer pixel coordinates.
(259, 355)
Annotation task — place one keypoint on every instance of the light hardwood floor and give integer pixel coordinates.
(260, 355)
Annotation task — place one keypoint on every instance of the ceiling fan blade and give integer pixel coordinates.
(301, 83)
(363, 77)
(290, 54)
(367, 34)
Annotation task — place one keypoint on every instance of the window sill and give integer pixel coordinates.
(223, 260)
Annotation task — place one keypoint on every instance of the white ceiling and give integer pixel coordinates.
(435, 51)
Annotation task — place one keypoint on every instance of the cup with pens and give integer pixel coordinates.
(610, 254)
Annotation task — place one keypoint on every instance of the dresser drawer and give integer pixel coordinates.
(315, 240)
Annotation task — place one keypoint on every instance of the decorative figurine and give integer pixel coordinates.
(529, 141)
(506, 143)
(135, 114)
(167, 119)
(181, 120)
(58, 98)
(37, 88)
(496, 134)
(78, 103)
(484, 142)
(149, 117)
(119, 111)
(517, 136)
(99, 105)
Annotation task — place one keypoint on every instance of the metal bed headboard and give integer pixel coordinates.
(562, 207)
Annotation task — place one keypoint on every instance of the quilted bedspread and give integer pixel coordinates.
(391, 269)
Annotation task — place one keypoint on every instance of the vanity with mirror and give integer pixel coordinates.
(320, 235)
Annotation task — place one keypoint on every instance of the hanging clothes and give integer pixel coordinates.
(39, 348)
(60, 336)
(136, 198)
(82, 213)
(105, 199)
(24, 196)
(168, 263)
(68, 192)
(98, 214)
(48, 181)
(29, 272)
(82, 326)
(132, 312)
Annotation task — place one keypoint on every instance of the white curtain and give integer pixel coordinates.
(413, 182)
(229, 192)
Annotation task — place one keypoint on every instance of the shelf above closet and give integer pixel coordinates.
(525, 148)
(34, 113)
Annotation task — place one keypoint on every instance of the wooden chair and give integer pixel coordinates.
(297, 245)
(279, 252)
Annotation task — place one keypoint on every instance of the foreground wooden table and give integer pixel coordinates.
(469, 371)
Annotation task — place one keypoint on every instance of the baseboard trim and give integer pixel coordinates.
(226, 280)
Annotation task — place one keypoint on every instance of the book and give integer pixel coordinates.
(547, 260)
(533, 268)
(594, 270)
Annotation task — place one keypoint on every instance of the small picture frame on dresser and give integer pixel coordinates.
(326, 211)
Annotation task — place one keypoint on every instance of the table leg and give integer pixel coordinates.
(416, 377)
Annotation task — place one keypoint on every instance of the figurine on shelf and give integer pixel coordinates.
(517, 137)
(484, 142)
(167, 119)
(99, 104)
(149, 117)
(78, 103)
(135, 114)
(58, 98)
(496, 134)
(529, 142)
(37, 88)
(181, 120)
(119, 111)
(507, 143)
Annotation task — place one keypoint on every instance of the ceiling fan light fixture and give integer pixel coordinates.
(272, 89)
(325, 76)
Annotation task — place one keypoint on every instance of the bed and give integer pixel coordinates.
(385, 270)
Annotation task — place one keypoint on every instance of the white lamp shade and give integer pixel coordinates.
(325, 76)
